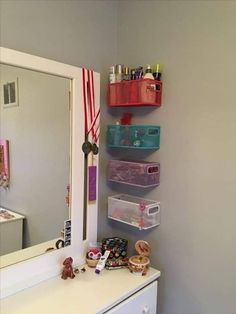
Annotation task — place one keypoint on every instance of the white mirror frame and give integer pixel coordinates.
(30, 272)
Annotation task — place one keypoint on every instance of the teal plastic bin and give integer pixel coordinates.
(134, 136)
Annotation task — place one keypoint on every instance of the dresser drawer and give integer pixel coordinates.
(142, 302)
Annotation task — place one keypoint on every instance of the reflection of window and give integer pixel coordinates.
(10, 94)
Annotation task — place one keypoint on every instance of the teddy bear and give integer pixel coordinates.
(68, 269)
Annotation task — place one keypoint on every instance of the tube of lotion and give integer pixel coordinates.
(102, 262)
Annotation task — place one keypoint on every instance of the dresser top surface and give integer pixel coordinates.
(87, 293)
(7, 215)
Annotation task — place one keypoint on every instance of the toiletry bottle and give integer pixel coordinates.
(119, 72)
(133, 90)
(148, 90)
(133, 74)
(139, 73)
(119, 87)
(157, 72)
(112, 88)
(148, 73)
(112, 75)
(126, 89)
(102, 262)
(126, 74)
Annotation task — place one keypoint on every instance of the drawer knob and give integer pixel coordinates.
(146, 309)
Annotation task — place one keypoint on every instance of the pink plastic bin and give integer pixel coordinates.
(136, 173)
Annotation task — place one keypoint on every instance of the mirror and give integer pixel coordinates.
(35, 120)
(35, 265)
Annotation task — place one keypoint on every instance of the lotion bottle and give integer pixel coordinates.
(102, 262)
(148, 90)
(148, 73)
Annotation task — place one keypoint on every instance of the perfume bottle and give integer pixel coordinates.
(112, 75)
(157, 72)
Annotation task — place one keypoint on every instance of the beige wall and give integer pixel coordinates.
(194, 246)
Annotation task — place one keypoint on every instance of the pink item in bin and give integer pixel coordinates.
(126, 118)
(136, 173)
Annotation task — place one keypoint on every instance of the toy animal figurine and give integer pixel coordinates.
(68, 269)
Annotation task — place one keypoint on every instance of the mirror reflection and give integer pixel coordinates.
(34, 161)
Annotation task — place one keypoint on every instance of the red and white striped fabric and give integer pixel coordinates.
(91, 107)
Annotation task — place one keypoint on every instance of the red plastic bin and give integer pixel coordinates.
(145, 92)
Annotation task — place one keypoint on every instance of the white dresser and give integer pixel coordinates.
(112, 291)
(11, 232)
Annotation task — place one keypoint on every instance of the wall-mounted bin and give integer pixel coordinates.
(135, 211)
(134, 136)
(136, 173)
(145, 92)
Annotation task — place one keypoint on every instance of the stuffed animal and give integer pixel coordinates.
(68, 269)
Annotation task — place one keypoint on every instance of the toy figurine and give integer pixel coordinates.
(68, 269)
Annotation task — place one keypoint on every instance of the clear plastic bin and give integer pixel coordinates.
(145, 92)
(134, 136)
(134, 211)
(136, 173)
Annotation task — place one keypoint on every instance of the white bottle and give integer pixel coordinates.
(112, 75)
(148, 90)
(148, 73)
(102, 262)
